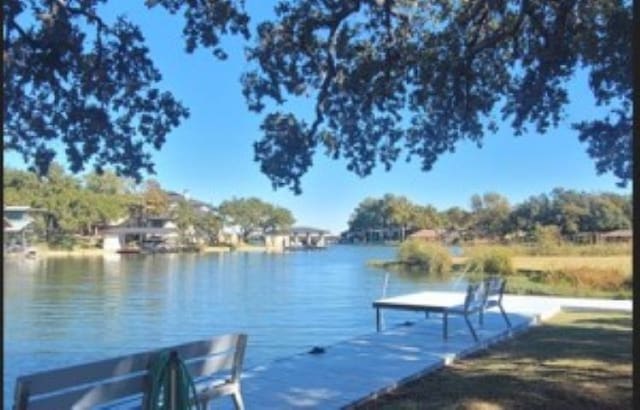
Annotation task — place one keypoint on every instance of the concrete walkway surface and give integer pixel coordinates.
(363, 367)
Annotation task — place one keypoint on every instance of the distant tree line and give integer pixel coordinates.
(491, 216)
(78, 206)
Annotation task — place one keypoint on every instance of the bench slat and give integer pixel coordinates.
(63, 378)
(91, 396)
(209, 366)
(206, 347)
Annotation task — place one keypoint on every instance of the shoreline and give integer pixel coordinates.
(44, 252)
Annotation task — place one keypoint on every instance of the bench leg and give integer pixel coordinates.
(377, 319)
(237, 400)
(504, 315)
(481, 317)
(445, 320)
(473, 332)
(426, 314)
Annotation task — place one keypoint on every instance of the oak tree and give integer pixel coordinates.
(387, 79)
(75, 80)
(413, 78)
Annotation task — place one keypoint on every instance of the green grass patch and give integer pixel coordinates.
(576, 360)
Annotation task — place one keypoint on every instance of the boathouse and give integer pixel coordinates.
(155, 229)
(298, 237)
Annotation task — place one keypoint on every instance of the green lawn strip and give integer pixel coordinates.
(577, 360)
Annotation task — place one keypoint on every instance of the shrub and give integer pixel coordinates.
(433, 257)
(62, 241)
(492, 259)
(547, 239)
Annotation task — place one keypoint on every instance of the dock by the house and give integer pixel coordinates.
(352, 371)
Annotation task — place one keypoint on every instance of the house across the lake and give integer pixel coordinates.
(618, 235)
(17, 223)
(152, 232)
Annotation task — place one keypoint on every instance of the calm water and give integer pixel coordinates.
(64, 311)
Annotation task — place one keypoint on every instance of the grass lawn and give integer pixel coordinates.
(577, 360)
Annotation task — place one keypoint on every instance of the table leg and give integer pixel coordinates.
(473, 332)
(504, 315)
(378, 319)
(445, 319)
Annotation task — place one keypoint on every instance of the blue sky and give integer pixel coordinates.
(211, 153)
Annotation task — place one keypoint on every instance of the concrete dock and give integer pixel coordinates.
(352, 371)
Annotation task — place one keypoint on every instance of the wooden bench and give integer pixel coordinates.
(126, 378)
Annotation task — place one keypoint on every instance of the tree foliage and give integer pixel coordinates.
(491, 214)
(387, 79)
(107, 183)
(392, 211)
(253, 215)
(156, 200)
(73, 206)
(457, 218)
(544, 217)
(193, 222)
(208, 225)
(73, 78)
(78, 206)
(415, 77)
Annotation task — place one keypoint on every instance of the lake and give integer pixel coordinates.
(65, 311)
